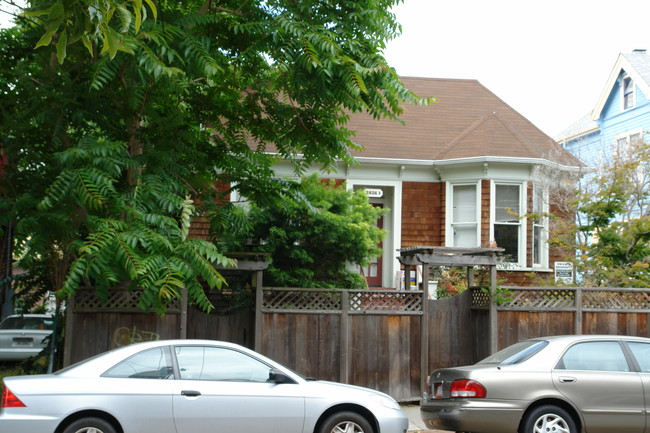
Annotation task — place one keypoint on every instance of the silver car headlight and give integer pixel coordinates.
(384, 401)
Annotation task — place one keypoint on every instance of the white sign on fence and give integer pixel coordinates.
(564, 272)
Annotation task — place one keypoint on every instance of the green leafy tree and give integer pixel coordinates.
(615, 221)
(119, 125)
(606, 223)
(317, 238)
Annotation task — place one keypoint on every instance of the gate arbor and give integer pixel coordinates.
(468, 258)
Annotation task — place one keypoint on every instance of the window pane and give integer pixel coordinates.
(538, 201)
(537, 245)
(465, 236)
(507, 203)
(216, 363)
(464, 203)
(516, 353)
(628, 93)
(595, 356)
(27, 323)
(641, 352)
(150, 364)
(507, 237)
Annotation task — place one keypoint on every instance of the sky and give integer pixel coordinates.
(549, 60)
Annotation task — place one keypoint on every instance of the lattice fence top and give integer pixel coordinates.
(636, 300)
(337, 301)
(542, 299)
(301, 300)
(566, 299)
(117, 301)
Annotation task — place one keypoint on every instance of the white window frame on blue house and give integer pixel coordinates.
(517, 222)
(625, 140)
(627, 89)
(461, 218)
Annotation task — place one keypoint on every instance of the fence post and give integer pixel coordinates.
(424, 330)
(183, 318)
(344, 367)
(69, 331)
(494, 321)
(577, 323)
(258, 311)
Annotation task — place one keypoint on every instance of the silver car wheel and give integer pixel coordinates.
(551, 423)
(90, 425)
(347, 427)
(345, 422)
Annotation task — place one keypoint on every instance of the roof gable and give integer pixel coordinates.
(637, 66)
(486, 137)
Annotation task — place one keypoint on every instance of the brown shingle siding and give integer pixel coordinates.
(200, 228)
(485, 211)
(423, 213)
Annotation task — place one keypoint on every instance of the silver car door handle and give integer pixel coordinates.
(190, 393)
(567, 379)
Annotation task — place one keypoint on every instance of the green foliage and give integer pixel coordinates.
(317, 236)
(613, 224)
(120, 125)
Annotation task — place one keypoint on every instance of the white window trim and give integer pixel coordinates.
(523, 189)
(449, 211)
(626, 136)
(545, 226)
(633, 105)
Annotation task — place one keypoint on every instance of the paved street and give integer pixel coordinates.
(412, 411)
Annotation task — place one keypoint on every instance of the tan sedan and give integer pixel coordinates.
(561, 384)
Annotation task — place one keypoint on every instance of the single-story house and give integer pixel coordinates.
(465, 171)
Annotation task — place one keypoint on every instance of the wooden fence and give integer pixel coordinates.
(371, 338)
(527, 312)
(383, 339)
(94, 326)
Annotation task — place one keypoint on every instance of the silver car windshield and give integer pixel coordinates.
(518, 352)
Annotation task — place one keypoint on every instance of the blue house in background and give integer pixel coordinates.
(621, 115)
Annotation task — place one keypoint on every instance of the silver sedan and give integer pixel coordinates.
(562, 384)
(22, 336)
(190, 386)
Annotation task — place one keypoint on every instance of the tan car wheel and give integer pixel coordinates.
(549, 419)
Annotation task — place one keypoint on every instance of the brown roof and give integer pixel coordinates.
(467, 121)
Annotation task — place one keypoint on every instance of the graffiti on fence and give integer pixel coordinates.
(124, 336)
